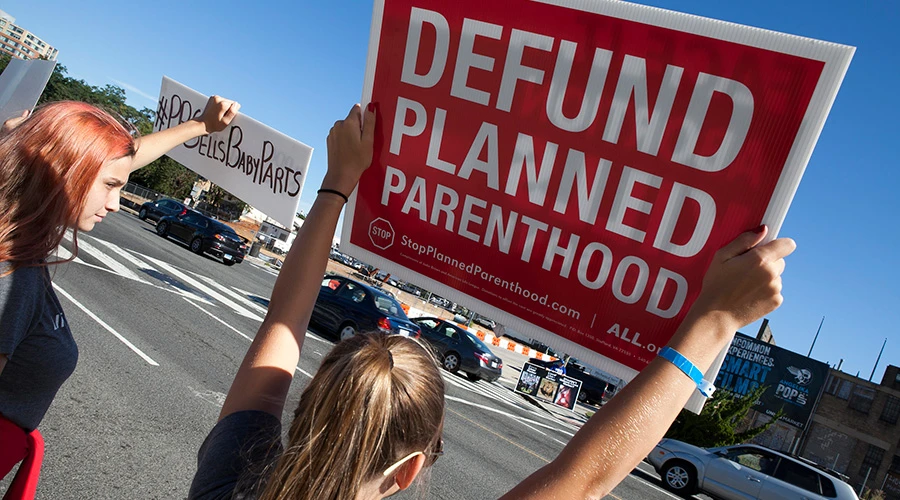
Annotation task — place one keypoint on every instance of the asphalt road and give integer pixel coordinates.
(161, 332)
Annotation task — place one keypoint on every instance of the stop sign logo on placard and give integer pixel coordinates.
(381, 233)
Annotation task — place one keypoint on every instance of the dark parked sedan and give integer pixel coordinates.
(347, 307)
(460, 350)
(155, 210)
(203, 234)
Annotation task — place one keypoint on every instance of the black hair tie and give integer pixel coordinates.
(391, 359)
(334, 191)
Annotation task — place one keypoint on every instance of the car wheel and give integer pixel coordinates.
(679, 478)
(142, 214)
(451, 362)
(162, 228)
(473, 377)
(346, 331)
(197, 245)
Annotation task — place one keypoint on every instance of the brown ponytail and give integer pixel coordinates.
(374, 400)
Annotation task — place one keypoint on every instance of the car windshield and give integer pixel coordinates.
(390, 306)
(223, 229)
(477, 341)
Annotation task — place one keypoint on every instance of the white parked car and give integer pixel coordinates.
(744, 472)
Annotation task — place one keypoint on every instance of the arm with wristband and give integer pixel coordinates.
(742, 284)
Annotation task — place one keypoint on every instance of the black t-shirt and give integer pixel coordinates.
(235, 456)
(35, 337)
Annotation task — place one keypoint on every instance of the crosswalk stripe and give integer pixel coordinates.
(108, 328)
(125, 255)
(116, 266)
(203, 288)
(225, 289)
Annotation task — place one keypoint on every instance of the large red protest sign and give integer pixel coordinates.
(569, 168)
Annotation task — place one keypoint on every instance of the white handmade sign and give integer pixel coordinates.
(21, 85)
(250, 160)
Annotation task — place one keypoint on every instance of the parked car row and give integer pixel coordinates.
(202, 234)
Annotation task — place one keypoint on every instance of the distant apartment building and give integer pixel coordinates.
(21, 43)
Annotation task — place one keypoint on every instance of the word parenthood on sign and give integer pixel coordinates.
(570, 170)
(250, 160)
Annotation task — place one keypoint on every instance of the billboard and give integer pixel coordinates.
(570, 170)
(794, 382)
(548, 385)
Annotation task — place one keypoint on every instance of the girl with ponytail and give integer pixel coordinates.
(371, 418)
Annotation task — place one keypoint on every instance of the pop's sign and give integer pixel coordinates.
(569, 168)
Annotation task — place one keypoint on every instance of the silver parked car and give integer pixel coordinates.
(744, 472)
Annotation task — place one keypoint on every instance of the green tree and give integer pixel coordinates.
(716, 423)
(164, 175)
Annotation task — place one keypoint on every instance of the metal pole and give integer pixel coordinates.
(878, 359)
(884, 482)
(816, 337)
(866, 480)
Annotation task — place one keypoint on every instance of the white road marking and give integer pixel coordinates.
(203, 288)
(104, 325)
(501, 394)
(214, 397)
(510, 415)
(106, 259)
(225, 289)
(657, 488)
(304, 372)
(125, 255)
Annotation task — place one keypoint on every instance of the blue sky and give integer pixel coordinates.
(298, 66)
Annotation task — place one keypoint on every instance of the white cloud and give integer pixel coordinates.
(135, 90)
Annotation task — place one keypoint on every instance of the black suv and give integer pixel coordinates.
(154, 210)
(204, 234)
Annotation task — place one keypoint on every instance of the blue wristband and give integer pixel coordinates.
(704, 386)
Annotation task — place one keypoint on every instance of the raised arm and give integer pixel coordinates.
(743, 284)
(263, 380)
(217, 114)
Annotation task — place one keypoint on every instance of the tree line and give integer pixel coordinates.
(164, 175)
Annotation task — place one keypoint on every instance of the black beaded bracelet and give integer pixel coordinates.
(334, 191)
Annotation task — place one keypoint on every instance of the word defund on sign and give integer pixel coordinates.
(496, 226)
(269, 168)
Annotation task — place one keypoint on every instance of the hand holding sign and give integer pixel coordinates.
(744, 279)
(218, 113)
(349, 150)
(14, 122)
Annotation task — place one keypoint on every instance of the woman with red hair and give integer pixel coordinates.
(60, 169)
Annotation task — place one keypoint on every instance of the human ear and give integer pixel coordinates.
(407, 472)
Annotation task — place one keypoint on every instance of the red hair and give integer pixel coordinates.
(47, 166)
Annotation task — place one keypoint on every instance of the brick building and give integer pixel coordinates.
(855, 430)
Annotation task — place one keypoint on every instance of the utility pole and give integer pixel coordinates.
(877, 360)
(816, 337)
